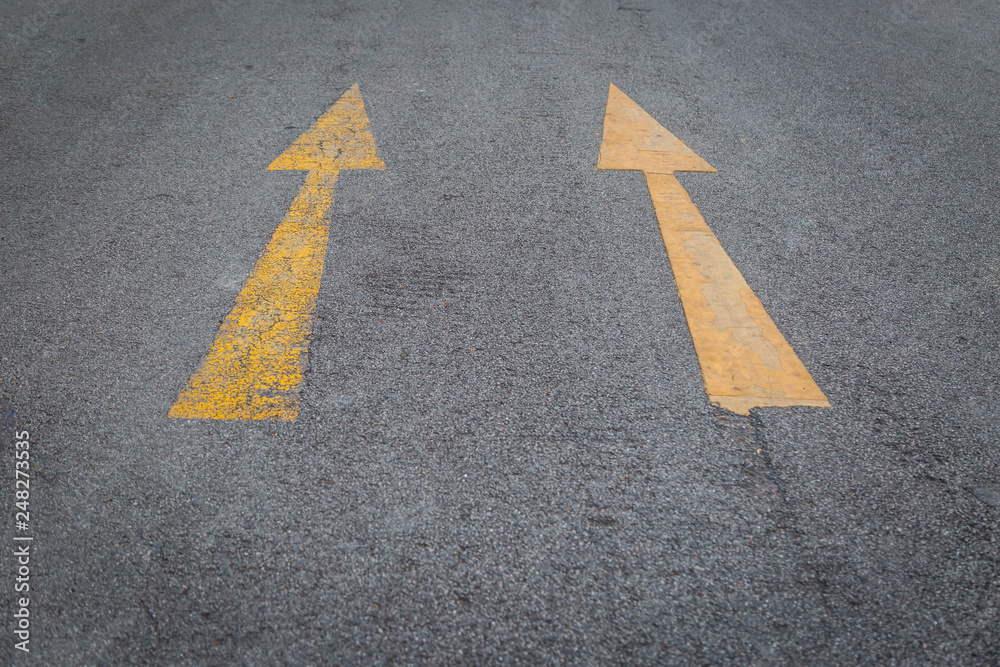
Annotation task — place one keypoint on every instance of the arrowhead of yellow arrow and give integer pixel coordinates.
(339, 139)
(634, 140)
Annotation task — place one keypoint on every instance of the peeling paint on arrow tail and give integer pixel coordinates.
(254, 368)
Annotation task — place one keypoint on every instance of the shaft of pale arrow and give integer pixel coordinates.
(745, 361)
(254, 369)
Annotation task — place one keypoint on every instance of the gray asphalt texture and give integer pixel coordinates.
(505, 454)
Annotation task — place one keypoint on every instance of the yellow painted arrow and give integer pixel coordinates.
(254, 368)
(745, 361)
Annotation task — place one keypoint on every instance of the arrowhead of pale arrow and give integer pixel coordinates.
(339, 139)
(632, 139)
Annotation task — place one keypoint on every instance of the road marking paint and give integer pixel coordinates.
(254, 369)
(745, 361)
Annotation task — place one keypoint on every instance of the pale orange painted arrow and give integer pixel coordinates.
(254, 368)
(745, 361)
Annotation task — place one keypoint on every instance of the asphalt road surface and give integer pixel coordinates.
(503, 452)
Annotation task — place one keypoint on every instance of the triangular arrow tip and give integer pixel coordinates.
(632, 139)
(339, 139)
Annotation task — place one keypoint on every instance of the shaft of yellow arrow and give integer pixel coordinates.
(745, 361)
(254, 368)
